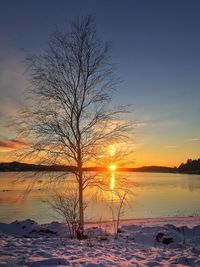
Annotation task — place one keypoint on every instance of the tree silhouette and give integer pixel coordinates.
(69, 118)
(190, 166)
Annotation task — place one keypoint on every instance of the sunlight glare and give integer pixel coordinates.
(113, 167)
(112, 181)
(112, 150)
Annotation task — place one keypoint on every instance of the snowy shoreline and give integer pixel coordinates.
(190, 221)
(142, 242)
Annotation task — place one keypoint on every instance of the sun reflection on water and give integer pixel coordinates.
(112, 181)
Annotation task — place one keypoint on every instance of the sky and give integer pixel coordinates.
(156, 48)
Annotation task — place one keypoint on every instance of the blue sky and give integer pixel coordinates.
(156, 48)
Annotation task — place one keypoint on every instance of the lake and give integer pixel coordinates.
(152, 195)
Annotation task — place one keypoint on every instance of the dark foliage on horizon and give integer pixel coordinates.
(18, 166)
(191, 166)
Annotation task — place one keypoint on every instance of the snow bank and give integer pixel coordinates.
(27, 243)
(30, 228)
(19, 228)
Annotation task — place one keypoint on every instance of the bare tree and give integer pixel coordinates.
(69, 118)
(66, 204)
(117, 208)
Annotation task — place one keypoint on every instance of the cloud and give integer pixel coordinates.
(12, 144)
(193, 140)
(141, 124)
(171, 146)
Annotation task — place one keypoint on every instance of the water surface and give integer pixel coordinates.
(152, 195)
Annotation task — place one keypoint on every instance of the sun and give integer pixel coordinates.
(112, 167)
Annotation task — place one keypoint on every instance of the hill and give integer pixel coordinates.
(19, 167)
(190, 167)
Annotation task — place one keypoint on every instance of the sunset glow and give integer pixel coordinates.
(113, 167)
(99, 133)
(112, 150)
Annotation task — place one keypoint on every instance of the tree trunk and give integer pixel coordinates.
(81, 208)
(80, 233)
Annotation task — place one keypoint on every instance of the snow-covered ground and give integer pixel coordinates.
(142, 242)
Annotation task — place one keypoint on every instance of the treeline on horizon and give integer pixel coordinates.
(191, 166)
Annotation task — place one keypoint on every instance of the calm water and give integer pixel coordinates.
(153, 195)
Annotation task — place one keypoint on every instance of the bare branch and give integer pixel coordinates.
(69, 118)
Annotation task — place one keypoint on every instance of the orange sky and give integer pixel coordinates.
(157, 56)
(144, 154)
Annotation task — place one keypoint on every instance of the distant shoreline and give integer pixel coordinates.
(26, 167)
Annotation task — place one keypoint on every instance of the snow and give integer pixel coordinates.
(141, 242)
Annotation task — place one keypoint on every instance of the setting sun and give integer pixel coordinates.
(113, 167)
(100, 132)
